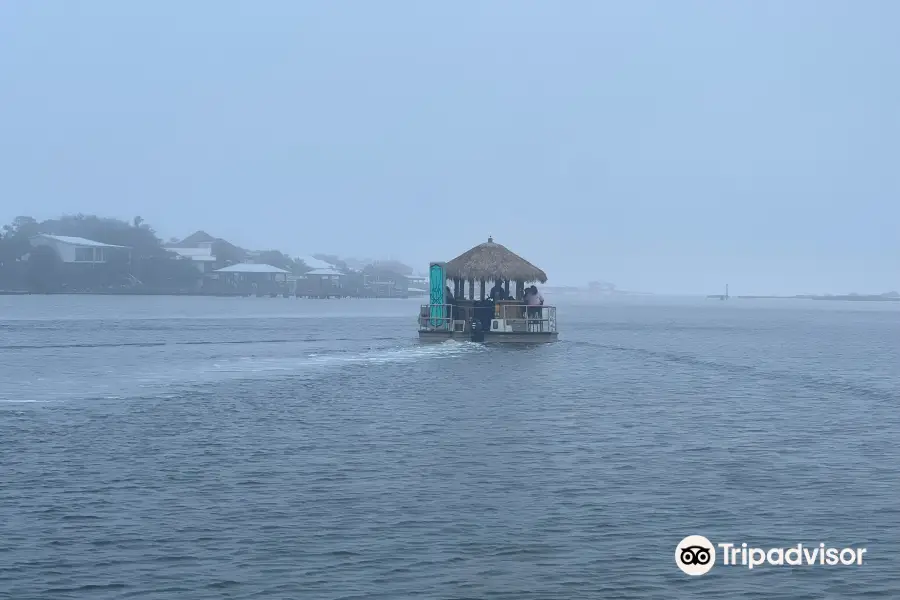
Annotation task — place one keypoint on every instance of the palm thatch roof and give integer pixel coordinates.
(493, 261)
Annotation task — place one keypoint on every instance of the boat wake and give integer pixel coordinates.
(166, 378)
(337, 358)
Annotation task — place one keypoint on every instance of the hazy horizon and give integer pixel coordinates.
(664, 147)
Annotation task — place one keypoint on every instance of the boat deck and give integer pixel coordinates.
(490, 338)
(502, 323)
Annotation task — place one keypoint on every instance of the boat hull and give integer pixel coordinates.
(530, 337)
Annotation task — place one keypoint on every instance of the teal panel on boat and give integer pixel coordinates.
(438, 281)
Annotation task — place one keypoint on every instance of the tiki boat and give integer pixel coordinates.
(461, 307)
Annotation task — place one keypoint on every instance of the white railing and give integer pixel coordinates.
(519, 318)
(436, 317)
(532, 319)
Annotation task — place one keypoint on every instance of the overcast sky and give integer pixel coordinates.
(668, 146)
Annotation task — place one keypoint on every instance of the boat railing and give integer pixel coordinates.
(533, 319)
(436, 317)
(519, 318)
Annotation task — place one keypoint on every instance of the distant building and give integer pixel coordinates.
(196, 239)
(251, 268)
(222, 252)
(253, 278)
(328, 274)
(321, 283)
(417, 285)
(77, 249)
(201, 257)
(383, 283)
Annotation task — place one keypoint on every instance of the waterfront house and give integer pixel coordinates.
(321, 283)
(417, 285)
(78, 250)
(62, 261)
(252, 278)
(202, 257)
(200, 244)
(383, 283)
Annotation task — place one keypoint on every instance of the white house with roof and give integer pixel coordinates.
(321, 282)
(253, 272)
(328, 273)
(202, 257)
(250, 268)
(265, 278)
(77, 249)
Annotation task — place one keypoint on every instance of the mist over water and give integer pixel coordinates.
(664, 147)
(178, 448)
(204, 448)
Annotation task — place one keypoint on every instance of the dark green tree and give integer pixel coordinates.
(44, 271)
(276, 259)
(14, 240)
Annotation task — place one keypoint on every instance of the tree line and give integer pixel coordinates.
(149, 263)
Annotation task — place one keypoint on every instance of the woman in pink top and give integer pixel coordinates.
(533, 297)
(534, 300)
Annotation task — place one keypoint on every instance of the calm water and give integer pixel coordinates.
(182, 448)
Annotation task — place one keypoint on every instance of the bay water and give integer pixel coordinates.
(192, 448)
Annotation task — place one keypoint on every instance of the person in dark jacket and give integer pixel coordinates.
(497, 292)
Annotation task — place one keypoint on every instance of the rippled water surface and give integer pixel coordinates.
(182, 448)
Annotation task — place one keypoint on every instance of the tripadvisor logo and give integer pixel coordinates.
(696, 555)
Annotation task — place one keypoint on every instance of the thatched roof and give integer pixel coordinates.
(493, 261)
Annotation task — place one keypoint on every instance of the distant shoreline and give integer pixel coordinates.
(112, 293)
(843, 298)
(163, 293)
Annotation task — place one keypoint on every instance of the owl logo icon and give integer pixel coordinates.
(695, 555)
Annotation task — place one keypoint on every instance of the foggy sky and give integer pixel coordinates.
(664, 146)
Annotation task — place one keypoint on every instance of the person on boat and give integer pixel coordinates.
(534, 300)
(533, 297)
(497, 292)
